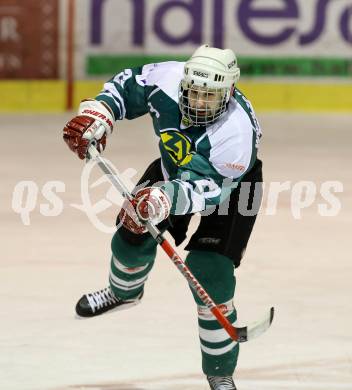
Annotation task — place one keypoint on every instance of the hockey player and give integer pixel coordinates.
(208, 139)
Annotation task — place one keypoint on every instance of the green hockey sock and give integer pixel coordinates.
(215, 272)
(130, 265)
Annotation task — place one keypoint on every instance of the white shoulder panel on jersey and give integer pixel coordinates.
(231, 140)
(165, 75)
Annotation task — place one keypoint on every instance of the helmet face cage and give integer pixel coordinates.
(202, 105)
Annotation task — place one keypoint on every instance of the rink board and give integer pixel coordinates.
(318, 96)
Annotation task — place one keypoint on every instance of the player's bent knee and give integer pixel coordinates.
(130, 254)
(215, 273)
(132, 238)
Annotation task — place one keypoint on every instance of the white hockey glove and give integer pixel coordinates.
(93, 124)
(149, 204)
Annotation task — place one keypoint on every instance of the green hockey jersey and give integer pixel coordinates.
(201, 165)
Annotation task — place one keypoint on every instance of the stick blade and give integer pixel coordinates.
(256, 329)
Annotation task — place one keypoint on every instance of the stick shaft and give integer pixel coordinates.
(199, 290)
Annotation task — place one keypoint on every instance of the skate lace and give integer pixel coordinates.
(221, 382)
(101, 298)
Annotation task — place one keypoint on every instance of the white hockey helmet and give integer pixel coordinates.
(205, 90)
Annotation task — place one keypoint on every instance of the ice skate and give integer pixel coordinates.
(99, 302)
(221, 383)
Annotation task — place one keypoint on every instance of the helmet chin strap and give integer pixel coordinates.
(186, 122)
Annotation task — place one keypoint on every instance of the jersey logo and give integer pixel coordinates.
(178, 146)
(253, 118)
(236, 167)
(153, 110)
(122, 77)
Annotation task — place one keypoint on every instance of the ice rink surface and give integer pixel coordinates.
(297, 260)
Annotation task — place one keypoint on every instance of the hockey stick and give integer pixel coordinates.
(237, 334)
